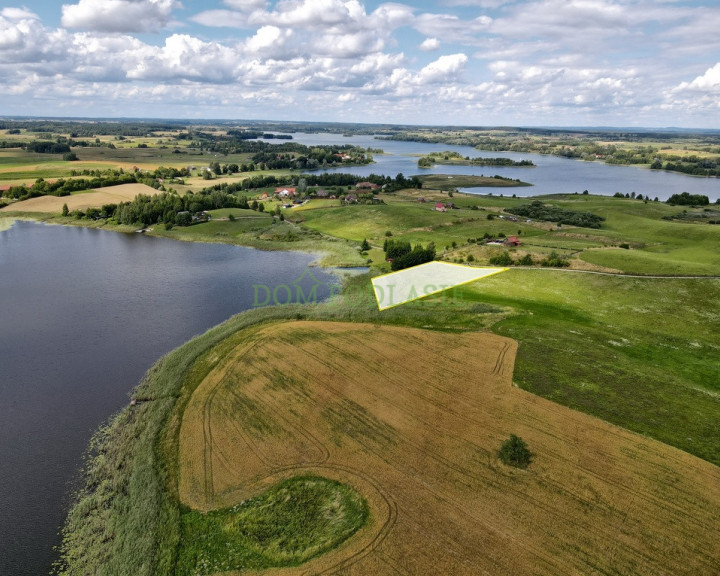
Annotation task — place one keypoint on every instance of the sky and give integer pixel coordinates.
(652, 63)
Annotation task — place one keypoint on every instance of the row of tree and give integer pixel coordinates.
(63, 187)
(166, 207)
(403, 255)
(687, 199)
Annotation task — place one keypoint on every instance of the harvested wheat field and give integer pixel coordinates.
(412, 420)
(96, 199)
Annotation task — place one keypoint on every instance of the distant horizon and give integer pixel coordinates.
(599, 128)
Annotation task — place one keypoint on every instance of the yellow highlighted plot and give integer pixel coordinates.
(419, 281)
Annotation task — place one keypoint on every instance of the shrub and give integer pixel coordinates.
(555, 260)
(525, 261)
(503, 259)
(514, 452)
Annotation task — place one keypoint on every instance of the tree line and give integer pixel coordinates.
(165, 208)
(403, 255)
(63, 187)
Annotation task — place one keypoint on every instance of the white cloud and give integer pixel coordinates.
(453, 27)
(118, 15)
(708, 82)
(443, 69)
(429, 44)
(18, 14)
(184, 58)
(221, 18)
(268, 37)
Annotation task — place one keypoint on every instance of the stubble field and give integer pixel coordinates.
(412, 420)
(93, 199)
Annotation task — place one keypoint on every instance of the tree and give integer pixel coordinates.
(514, 452)
(302, 187)
(65, 210)
(70, 157)
(365, 246)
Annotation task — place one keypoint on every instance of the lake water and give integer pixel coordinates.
(551, 175)
(83, 314)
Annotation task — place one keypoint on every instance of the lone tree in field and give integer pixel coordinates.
(514, 452)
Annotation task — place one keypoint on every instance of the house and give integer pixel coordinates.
(351, 199)
(450, 205)
(322, 194)
(366, 185)
(421, 200)
(440, 207)
(512, 241)
(264, 196)
(285, 192)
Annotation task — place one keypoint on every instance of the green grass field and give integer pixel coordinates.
(640, 353)
(289, 524)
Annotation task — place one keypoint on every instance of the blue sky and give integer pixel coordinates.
(469, 62)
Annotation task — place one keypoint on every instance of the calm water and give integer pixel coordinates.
(551, 175)
(83, 314)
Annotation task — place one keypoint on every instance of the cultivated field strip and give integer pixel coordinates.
(92, 199)
(412, 419)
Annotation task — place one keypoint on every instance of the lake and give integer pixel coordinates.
(551, 175)
(83, 314)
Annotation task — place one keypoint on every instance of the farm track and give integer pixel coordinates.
(622, 274)
(412, 419)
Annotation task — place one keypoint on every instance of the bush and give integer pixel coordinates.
(514, 452)
(503, 259)
(525, 261)
(555, 260)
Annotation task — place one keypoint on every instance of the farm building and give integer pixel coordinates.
(366, 186)
(285, 192)
(351, 199)
(322, 194)
(512, 241)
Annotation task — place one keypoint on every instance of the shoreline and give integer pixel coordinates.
(323, 257)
